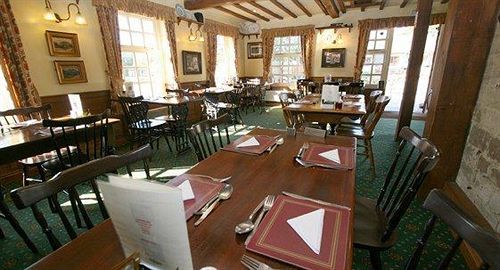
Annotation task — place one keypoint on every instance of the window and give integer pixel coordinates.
(375, 67)
(146, 57)
(5, 103)
(287, 64)
(225, 68)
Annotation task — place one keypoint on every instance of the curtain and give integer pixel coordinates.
(108, 20)
(306, 33)
(365, 26)
(141, 7)
(24, 92)
(211, 55)
(170, 28)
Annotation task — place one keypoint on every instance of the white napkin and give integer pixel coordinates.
(332, 155)
(310, 228)
(250, 142)
(187, 191)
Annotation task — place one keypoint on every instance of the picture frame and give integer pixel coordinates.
(191, 63)
(333, 58)
(254, 50)
(62, 44)
(70, 72)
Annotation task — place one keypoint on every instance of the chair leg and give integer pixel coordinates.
(25, 175)
(369, 148)
(146, 169)
(74, 207)
(168, 143)
(375, 260)
(12, 220)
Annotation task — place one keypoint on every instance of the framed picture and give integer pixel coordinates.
(62, 44)
(70, 72)
(254, 50)
(191, 62)
(331, 58)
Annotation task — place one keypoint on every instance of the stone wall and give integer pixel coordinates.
(479, 174)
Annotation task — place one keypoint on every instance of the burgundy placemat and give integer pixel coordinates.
(276, 238)
(203, 189)
(264, 141)
(346, 155)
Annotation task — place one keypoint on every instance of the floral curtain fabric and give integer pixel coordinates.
(170, 28)
(141, 7)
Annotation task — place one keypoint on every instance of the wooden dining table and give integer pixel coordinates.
(310, 107)
(214, 242)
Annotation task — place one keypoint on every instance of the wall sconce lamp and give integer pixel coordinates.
(50, 15)
(198, 35)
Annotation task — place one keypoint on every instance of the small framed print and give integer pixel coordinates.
(62, 44)
(70, 72)
(191, 62)
(254, 50)
(332, 58)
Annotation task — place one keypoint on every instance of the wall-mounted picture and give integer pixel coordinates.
(191, 62)
(331, 58)
(254, 50)
(70, 72)
(62, 44)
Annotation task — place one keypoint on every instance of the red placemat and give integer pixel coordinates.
(346, 155)
(264, 143)
(276, 238)
(203, 189)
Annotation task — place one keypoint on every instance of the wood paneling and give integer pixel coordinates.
(96, 102)
(192, 85)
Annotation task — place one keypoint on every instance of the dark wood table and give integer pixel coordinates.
(315, 113)
(25, 142)
(214, 242)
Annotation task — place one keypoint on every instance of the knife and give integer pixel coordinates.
(300, 197)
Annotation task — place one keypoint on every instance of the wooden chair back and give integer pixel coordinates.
(15, 116)
(418, 156)
(287, 98)
(355, 88)
(485, 242)
(207, 137)
(89, 135)
(370, 105)
(373, 117)
(29, 196)
(135, 111)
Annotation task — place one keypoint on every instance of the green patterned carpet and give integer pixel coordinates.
(15, 255)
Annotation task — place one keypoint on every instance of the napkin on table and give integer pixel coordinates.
(187, 191)
(310, 228)
(250, 142)
(332, 155)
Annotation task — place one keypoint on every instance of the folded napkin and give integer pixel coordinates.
(332, 155)
(187, 191)
(310, 228)
(250, 142)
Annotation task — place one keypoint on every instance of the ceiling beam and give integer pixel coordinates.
(266, 10)
(444, 1)
(202, 4)
(304, 9)
(251, 12)
(340, 4)
(404, 3)
(382, 4)
(330, 9)
(237, 15)
(320, 5)
(279, 5)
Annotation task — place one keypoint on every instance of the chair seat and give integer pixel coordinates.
(369, 226)
(352, 131)
(42, 158)
(224, 105)
(166, 118)
(151, 123)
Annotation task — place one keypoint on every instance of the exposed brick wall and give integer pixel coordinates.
(479, 174)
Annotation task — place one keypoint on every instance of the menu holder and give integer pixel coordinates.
(203, 188)
(275, 238)
(346, 155)
(264, 143)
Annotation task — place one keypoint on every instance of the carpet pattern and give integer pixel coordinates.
(165, 165)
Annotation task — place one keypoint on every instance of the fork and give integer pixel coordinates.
(221, 180)
(253, 264)
(268, 204)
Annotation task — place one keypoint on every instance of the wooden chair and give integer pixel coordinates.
(485, 242)
(370, 107)
(29, 196)
(207, 137)
(366, 131)
(376, 221)
(234, 105)
(287, 98)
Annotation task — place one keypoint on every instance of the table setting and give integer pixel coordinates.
(254, 144)
(326, 156)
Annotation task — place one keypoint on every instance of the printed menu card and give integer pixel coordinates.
(331, 155)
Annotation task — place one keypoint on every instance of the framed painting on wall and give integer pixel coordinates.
(191, 62)
(62, 44)
(70, 72)
(254, 50)
(332, 58)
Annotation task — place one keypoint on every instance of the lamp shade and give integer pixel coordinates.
(49, 14)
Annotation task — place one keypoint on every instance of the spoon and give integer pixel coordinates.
(280, 141)
(224, 194)
(247, 225)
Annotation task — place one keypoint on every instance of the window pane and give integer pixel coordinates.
(285, 40)
(371, 45)
(373, 34)
(378, 58)
(367, 69)
(122, 22)
(141, 59)
(143, 74)
(277, 41)
(294, 48)
(381, 34)
(135, 24)
(148, 26)
(375, 80)
(369, 59)
(137, 39)
(125, 38)
(146, 90)
(285, 49)
(294, 40)
(377, 69)
(365, 79)
(380, 45)
(130, 75)
(127, 59)
(277, 49)
(150, 41)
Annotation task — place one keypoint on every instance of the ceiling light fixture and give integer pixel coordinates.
(50, 15)
(191, 36)
(199, 35)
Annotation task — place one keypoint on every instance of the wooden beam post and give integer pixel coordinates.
(304, 9)
(321, 6)
(461, 59)
(422, 20)
(330, 8)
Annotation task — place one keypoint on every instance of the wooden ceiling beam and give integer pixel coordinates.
(237, 15)
(279, 5)
(404, 3)
(320, 5)
(304, 9)
(340, 4)
(382, 4)
(202, 4)
(266, 10)
(444, 1)
(330, 9)
(251, 12)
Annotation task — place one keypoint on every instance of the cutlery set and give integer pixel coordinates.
(278, 141)
(224, 194)
(299, 159)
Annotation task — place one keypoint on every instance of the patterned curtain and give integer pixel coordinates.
(267, 55)
(13, 57)
(307, 48)
(365, 26)
(108, 20)
(170, 27)
(211, 56)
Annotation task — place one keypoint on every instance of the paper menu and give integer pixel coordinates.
(187, 190)
(149, 218)
(76, 105)
(330, 93)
